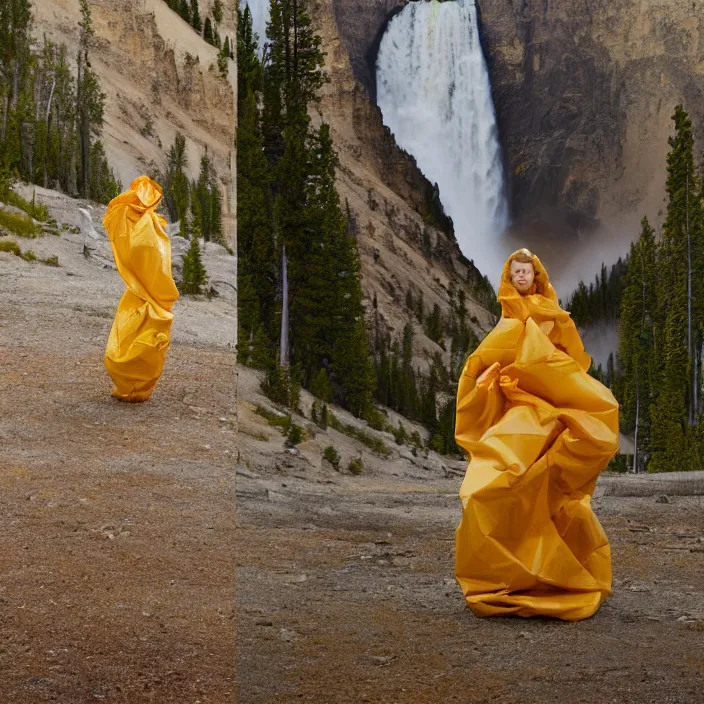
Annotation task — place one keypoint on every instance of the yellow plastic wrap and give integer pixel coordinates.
(539, 431)
(139, 338)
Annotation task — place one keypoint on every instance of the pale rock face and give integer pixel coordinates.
(157, 77)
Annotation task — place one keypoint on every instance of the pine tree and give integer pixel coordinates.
(217, 11)
(247, 314)
(261, 357)
(602, 299)
(15, 36)
(194, 274)
(196, 207)
(673, 412)
(207, 211)
(294, 236)
(208, 34)
(90, 99)
(103, 186)
(294, 73)
(634, 388)
(434, 325)
(47, 135)
(183, 8)
(176, 189)
(196, 22)
(255, 242)
(223, 56)
(321, 386)
(445, 434)
(329, 293)
(249, 69)
(215, 212)
(61, 138)
(354, 370)
(406, 387)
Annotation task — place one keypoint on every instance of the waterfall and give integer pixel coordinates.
(260, 17)
(433, 90)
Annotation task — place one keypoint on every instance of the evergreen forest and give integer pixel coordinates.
(300, 316)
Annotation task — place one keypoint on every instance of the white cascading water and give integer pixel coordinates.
(260, 17)
(434, 92)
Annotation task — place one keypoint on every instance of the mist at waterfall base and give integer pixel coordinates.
(434, 94)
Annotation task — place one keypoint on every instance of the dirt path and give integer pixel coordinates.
(346, 594)
(116, 520)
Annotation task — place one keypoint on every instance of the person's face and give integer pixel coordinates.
(522, 276)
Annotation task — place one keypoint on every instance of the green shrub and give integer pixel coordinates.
(38, 211)
(20, 225)
(374, 443)
(29, 256)
(375, 418)
(321, 386)
(274, 419)
(355, 466)
(400, 434)
(320, 414)
(332, 456)
(295, 434)
(619, 463)
(281, 385)
(10, 246)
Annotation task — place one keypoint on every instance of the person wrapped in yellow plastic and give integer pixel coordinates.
(538, 430)
(139, 338)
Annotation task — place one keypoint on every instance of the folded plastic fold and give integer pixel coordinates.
(539, 431)
(140, 334)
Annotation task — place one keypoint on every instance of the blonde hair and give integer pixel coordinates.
(522, 255)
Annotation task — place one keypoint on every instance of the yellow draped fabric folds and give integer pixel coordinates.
(139, 338)
(539, 431)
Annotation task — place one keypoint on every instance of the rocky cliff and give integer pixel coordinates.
(387, 198)
(159, 77)
(583, 90)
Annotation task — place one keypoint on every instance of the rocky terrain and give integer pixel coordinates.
(345, 585)
(159, 78)
(345, 574)
(117, 520)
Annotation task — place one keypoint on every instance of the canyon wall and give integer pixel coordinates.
(159, 78)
